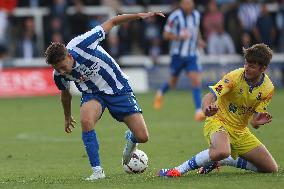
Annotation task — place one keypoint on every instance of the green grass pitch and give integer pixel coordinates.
(36, 153)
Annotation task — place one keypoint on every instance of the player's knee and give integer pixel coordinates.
(86, 123)
(272, 169)
(143, 138)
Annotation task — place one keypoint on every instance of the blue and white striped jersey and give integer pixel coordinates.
(177, 22)
(94, 69)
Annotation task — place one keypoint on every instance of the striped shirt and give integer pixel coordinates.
(94, 70)
(177, 22)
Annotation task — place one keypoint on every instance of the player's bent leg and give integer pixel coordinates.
(91, 112)
(135, 122)
(262, 159)
(220, 146)
(137, 133)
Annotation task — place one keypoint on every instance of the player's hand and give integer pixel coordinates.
(150, 14)
(69, 124)
(211, 110)
(184, 34)
(261, 118)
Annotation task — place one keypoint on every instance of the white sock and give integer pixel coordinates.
(97, 168)
(201, 159)
(238, 163)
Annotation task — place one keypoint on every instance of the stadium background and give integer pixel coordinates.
(31, 133)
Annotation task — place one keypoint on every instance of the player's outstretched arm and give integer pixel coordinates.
(209, 107)
(117, 20)
(260, 118)
(66, 100)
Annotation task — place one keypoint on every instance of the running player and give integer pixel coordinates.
(182, 30)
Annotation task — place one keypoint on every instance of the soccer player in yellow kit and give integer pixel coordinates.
(242, 96)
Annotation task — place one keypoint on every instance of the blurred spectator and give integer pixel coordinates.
(212, 17)
(280, 26)
(124, 34)
(111, 3)
(56, 26)
(57, 37)
(248, 13)
(58, 10)
(264, 31)
(246, 41)
(155, 50)
(78, 21)
(95, 20)
(3, 53)
(151, 33)
(6, 7)
(30, 3)
(3, 27)
(113, 47)
(220, 42)
(26, 44)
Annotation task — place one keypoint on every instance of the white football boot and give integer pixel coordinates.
(129, 148)
(98, 173)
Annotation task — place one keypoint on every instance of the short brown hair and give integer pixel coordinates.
(260, 54)
(55, 53)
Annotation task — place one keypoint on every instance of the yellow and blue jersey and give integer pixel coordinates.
(237, 100)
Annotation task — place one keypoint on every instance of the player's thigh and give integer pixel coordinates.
(136, 123)
(219, 145)
(262, 159)
(90, 113)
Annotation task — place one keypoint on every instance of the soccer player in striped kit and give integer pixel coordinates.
(103, 85)
(182, 30)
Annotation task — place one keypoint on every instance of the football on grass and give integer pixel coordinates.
(138, 162)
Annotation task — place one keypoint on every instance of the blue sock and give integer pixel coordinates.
(196, 93)
(192, 163)
(165, 87)
(130, 136)
(92, 147)
(241, 163)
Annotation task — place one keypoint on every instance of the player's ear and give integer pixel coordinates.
(263, 68)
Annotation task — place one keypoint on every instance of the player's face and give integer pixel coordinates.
(65, 66)
(187, 5)
(253, 71)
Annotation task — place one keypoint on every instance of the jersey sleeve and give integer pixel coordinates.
(171, 24)
(90, 39)
(224, 86)
(263, 105)
(61, 83)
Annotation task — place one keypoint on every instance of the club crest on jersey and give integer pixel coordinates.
(226, 80)
(259, 96)
(241, 91)
(219, 89)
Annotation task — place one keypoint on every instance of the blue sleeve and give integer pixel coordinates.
(61, 83)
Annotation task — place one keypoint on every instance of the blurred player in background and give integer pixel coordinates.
(182, 30)
(103, 85)
(242, 95)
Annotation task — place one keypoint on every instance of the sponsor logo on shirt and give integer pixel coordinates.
(259, 96)
(219, 89)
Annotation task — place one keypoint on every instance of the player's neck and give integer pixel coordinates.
(256, 81)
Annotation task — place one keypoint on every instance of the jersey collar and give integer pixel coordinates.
(251, 87)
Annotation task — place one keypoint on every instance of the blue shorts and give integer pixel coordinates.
(119, 106)
(188, 63)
